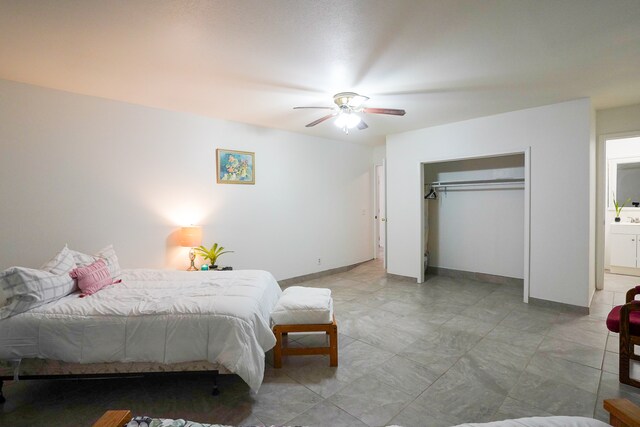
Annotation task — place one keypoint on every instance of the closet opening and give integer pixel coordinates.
(475, 219)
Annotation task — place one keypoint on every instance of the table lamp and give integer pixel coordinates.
(191, 237)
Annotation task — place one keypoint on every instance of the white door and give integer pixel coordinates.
(623, 250)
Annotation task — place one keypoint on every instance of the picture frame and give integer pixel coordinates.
(235, 167)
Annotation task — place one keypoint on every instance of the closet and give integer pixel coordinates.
(474, 218)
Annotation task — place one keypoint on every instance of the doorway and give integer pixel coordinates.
(380, 240)
(619, 184)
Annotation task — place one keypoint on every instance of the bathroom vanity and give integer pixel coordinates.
(625, 248)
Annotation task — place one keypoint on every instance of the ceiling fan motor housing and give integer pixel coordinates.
(348, 101)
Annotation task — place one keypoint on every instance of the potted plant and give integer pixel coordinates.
(211, 254)
(619, 208)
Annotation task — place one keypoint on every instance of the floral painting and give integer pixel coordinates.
(235, 167)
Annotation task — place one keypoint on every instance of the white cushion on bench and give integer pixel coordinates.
(299, 305)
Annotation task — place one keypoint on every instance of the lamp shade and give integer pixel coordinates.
(191, 236)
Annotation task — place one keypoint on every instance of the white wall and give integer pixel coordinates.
(559, 137)
(379, 153)
(612, 122)
(88, 172)
(618, 120)
(477, 229)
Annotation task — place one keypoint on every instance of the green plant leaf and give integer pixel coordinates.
(211, 254)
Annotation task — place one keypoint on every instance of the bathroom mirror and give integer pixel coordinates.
(627, 181)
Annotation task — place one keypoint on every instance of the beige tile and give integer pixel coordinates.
(373, 402)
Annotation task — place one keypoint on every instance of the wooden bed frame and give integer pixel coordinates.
(117, 418)
(622, 413)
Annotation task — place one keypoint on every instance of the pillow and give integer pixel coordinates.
(61, 263)
(93, 277)
(107, 254)
(25, 288)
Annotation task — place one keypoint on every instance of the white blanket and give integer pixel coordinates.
(155, 316)
(558, 421)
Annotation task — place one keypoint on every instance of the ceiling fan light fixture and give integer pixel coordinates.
(347, 120)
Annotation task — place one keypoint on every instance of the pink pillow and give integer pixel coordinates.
(92, 277)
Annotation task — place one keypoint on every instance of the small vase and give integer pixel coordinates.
(213, 267)
(617, 219)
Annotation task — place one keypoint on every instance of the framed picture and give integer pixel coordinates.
(235, 167)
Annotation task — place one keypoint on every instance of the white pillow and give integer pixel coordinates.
(25, 288)
(299, 305)
(62, 262)
(108, 254)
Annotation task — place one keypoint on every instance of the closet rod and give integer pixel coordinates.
(480, 182)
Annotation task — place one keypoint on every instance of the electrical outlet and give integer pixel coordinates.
(319, 261)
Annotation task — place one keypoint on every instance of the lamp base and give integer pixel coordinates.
(192, 257)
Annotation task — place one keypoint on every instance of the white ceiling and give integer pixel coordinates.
(252, 61)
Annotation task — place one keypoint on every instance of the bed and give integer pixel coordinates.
(622, 413)
(154, 321)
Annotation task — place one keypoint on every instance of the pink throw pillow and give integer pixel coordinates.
(92, 277)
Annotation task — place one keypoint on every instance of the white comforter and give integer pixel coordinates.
(155, 316)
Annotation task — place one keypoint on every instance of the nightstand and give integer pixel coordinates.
(219, 269)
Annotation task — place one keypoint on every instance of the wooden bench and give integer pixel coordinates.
(330, 329)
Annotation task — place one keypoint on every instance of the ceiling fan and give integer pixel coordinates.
(347, 105)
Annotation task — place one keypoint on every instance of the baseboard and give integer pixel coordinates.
(401, 277)
(627, 271)
(559, 305)
(298, 279)
(481, 277)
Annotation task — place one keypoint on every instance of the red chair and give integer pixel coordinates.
(625, 320)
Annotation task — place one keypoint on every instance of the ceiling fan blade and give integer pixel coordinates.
(392, 111)
(324, 108)
(362, 125)
(320, 120)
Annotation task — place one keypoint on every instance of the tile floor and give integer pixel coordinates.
(441, 353)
